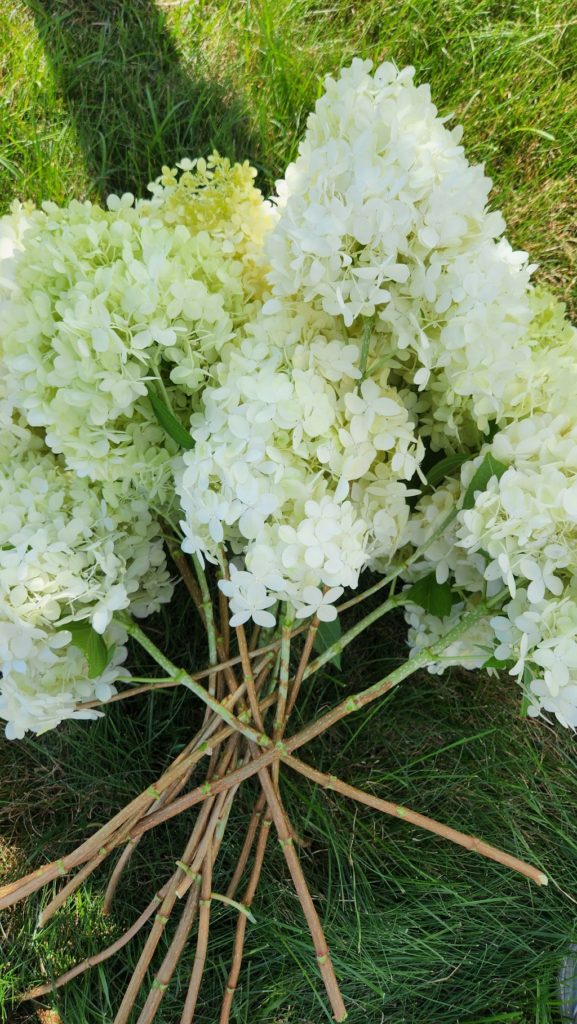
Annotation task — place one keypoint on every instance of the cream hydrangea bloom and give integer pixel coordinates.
(67, 555)
(47, 692)
(97, 303)
(293, 453)
(521, 532)
(382, 215)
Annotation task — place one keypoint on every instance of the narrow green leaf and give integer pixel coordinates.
(435, 598)
(329, 633)
(92, 645)
(526, 702)
(530, 130)
(168, 420)
(446, 467)
(489, 468)
(501, 666)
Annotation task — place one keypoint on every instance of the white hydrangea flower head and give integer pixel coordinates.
(293, 455)
(381, 214)
(47, 692)
(97, 303)
(66, 555)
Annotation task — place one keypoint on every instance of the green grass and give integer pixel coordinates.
(95, 96)
(419, 930)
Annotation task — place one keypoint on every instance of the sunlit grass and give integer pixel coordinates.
(95, 97)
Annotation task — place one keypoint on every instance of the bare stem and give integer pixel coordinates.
(300, 672)
(98, 958)
(323, 957)
(160, 922)
(207, 609)
(187, 576)
(283, 682)
(352, 633)
(336, 714)
(242, 921)
(252, 829)
(201, 942)
(406, 814)
(179, 674)
(168, 966)
(285, 650)
(205, 673)
(249, 678)
(165, 798)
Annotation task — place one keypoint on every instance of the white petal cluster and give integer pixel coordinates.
(48, 691)
(319, 350)
(521, 532)
(97, 302)
(381, 213)
(67, 555)
(292, 458)
(94, 305)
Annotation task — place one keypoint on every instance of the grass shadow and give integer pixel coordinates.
(134, 105)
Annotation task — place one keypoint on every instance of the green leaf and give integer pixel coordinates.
(329, 633)
(445, 467)
(526, 702)
(435, 598)
(92, 645)
(489, 468)
(168, 420)
(492, 431)
(501, 666)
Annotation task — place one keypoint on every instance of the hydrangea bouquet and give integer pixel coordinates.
(267, 399)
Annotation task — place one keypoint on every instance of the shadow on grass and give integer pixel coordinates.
(134, 105)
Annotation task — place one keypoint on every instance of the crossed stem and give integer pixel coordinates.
(235, 739)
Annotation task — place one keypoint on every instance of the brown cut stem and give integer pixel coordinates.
(299, 675)
(242, 921)
(285, 650)
(201, 942)
(165, 798)
(203, 848)
(119, 868)
(224, 639)
(200, 868)
(247, 846)
(98, 958)
(160, 921)
(283, 682)
(421, 820)
(249, 678)
(168, 966)
(222, 666)
(320, 725)
(115, 832)
(74, 883)
(323, 956)
(181, 562)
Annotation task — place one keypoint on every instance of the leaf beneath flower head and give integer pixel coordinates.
(528, 676)
(445, 467)
(435, 598)
(501, 665)
(92, 645)
(329, 633)
(489, 468)
(168, 420)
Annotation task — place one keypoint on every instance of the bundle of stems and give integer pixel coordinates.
(249, 697)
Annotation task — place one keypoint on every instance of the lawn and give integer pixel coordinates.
(96, 96)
